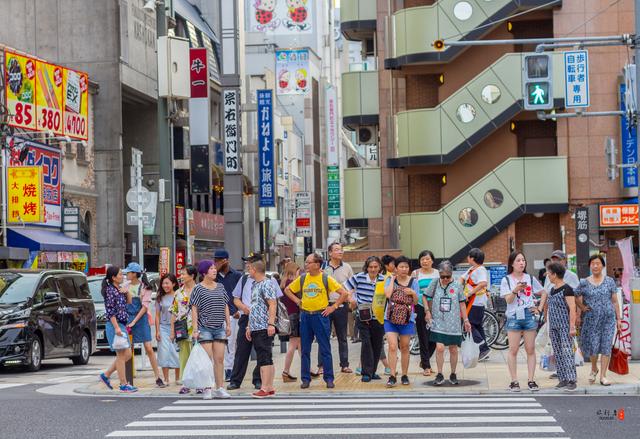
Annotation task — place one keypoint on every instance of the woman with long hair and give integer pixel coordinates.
(425, 275)
(181, 314)
(291, 271)
(519, 289)
(399, 321)
(115, 304)
(167, 354)
(138, 308)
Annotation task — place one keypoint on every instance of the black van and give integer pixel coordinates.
(45, 314)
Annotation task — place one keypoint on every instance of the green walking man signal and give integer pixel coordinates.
(537, 74)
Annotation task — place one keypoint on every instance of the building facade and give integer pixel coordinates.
(461, 164)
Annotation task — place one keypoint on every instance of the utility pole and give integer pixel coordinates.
(231, 122)
(136, 159)
(635, 119)
(166, 212)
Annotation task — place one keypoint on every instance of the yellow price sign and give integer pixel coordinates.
(20, 90)
(24, 190)
(49, 97)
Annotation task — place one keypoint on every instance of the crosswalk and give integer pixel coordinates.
(421, 416)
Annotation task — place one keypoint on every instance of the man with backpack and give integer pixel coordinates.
(315, 287)
(242, 300)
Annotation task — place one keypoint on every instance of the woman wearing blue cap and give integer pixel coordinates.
(137, 308)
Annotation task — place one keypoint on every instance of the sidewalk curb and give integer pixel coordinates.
(618, 390)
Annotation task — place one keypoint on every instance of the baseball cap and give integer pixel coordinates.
(252, 257)
(221, 254)
(133, 267)
(559, 254)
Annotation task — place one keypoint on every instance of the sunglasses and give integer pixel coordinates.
(445, 276)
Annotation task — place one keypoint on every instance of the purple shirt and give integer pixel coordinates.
(115, 304)
(292, 308)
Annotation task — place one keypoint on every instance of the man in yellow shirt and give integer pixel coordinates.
(314, 314)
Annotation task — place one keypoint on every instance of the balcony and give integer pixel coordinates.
(415, 29)
(358, 19)
(359, 99)
(443, 134)
(362, 193)
(517, 186)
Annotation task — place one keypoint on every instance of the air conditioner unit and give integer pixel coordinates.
(368, 135)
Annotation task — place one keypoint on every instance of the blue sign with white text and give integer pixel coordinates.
(265, 148)
(629, 145)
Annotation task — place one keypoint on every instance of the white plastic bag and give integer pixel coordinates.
(547, 359)
(542, 339)
(470, 352)
(120, 342)
(198, 373)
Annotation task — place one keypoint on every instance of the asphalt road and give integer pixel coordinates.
(44, 405)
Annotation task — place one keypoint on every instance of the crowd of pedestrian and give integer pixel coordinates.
(231, 313)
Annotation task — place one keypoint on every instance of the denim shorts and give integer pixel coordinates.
(529, 323)
(111, 332)
(408, 329)
(213, 334)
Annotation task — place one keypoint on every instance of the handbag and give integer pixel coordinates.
(619, 363)
(364, 312)
(181, 330)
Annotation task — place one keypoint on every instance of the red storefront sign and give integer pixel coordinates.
(180, 261)
(619, 215)
(199, 75)
(205, 227)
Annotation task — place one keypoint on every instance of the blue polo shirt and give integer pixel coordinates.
(229, 281)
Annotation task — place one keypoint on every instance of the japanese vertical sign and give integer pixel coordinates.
(24, 191)
(199, 101)
(20, 90)
(265, 148)
(198, 73)
(333, 197)
(231, 137)
(292, 71)
(582, 241)
(49, 97)
(48, 158)
(76, 104)
(331, 118)
(629, 145)
(576, 71)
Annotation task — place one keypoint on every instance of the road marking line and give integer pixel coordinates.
(277, 432)
(349, 421)
(235, 407)
(9, 385)
(65, 379)
(354, 412)
(359, 400)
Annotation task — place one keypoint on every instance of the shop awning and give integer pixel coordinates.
(45, 240)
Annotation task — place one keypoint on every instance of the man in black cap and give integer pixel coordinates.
(229, 278)
(242, 300)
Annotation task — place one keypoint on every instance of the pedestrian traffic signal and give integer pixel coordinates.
(537, 74)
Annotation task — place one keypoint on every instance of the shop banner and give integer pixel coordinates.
(198, 73)
(292, 71)
(180, 261)
(619, 215)
(281, 17)
(333, 197)
(20, 93)
(626, 250)
(24, 193)
(76, 104)
(164, 260)
(333, 130)
(231, 132)
(49, 159)
(49, 97)
(265, 148)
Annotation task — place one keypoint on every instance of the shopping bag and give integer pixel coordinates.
(120, 342)
(548, 360)
(578, 357)
(619, 362)
(470, 352)
(542, 339)
(198, 373)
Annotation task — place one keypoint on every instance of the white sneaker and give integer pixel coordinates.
(207, 394)
(222, 394)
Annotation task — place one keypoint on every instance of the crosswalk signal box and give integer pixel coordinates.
(537, 74)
